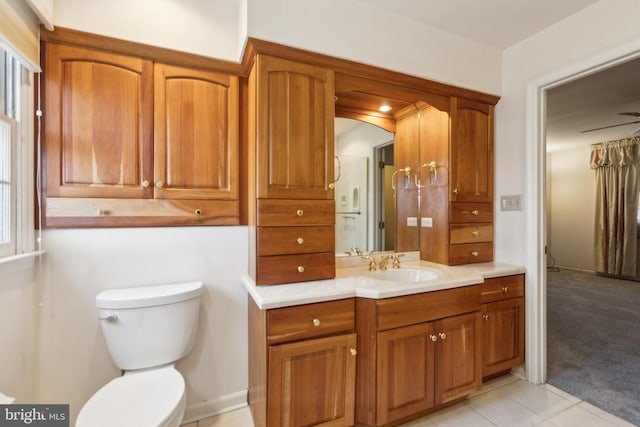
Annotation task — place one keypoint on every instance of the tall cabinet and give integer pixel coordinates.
(457, 169)
(290, 156)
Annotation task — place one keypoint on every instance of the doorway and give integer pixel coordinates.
(535, 204)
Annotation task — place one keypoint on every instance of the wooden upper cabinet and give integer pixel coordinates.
(471, 151)
(294, 129)
(98, 124)
(195, 134)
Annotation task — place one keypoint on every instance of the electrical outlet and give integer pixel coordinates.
(426, 222)
(412, 221)
(511, 203)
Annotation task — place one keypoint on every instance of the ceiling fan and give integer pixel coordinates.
(631, 113)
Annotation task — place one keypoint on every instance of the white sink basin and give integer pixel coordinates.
(404, 274)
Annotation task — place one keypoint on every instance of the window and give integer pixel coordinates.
(15, 164)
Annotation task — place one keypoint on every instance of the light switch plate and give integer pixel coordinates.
(511, 203)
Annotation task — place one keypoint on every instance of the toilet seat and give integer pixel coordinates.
(153, 398)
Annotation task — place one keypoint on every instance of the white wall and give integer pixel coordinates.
(17, 328)
(73, 361)
(571, 208)
(204, 27)
(354, 30)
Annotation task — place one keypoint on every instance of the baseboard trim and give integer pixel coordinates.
(216, 406)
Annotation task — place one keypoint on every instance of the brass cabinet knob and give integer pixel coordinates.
(198, 212)
(475, 253)
(300, 240)
(475, 233)
(299, 212)
(475, 212)
(332, 186)
(433, 338)
(442, 335)
(316, 322)
(353, 351)
(159, 184)
(103, 212)
(485, 316)
(145, 183)
(300, 269)
(505, 289)
(455, 191)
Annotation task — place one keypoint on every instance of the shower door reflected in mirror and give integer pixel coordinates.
(360, 196)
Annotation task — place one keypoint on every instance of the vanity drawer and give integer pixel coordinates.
(310, 320)
(468, 253)
(471, 212)
(418, 308)
(500, 288)
(470, 233)
(277, 269)
(295, 240)
(283, 213)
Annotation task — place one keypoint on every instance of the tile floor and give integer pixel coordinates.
(506, 402)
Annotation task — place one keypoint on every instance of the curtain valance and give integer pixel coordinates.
(615, 153)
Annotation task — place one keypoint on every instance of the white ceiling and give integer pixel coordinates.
(497, 23)
(587, 103)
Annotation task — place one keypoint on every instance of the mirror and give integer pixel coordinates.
(363, 194)
(391, 134)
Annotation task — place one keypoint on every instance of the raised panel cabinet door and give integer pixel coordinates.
(97, 123)
(405, 365)
(294, 130)
(195, 134)
(471, 151)
(503, 335)
(458, 356)
(312, 382)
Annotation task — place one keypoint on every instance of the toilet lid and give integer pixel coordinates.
(136, 399)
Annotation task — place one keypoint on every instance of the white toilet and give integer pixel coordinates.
(147, 329)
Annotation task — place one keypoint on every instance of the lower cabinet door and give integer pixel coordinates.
(405, 364)
(459, 364)
(312, 382)
(503, 335)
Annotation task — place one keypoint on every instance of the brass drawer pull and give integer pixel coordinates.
(103, 212)
(316, 322)
(442, 335)
(475, 212)
(475, 233)
(433, 338)
(300, 240)
(485, 316)
(299, 212)
(198, 212)
(505, 289)
(145, 183)
(300, 269)
(159, 184)
(475, 253)
(353, 351)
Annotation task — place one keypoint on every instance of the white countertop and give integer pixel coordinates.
(357, 281)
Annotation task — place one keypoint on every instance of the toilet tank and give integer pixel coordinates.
(149, 326)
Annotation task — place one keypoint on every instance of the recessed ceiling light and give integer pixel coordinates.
(384, 108)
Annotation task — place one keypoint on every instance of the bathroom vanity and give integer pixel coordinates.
(370, 349)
